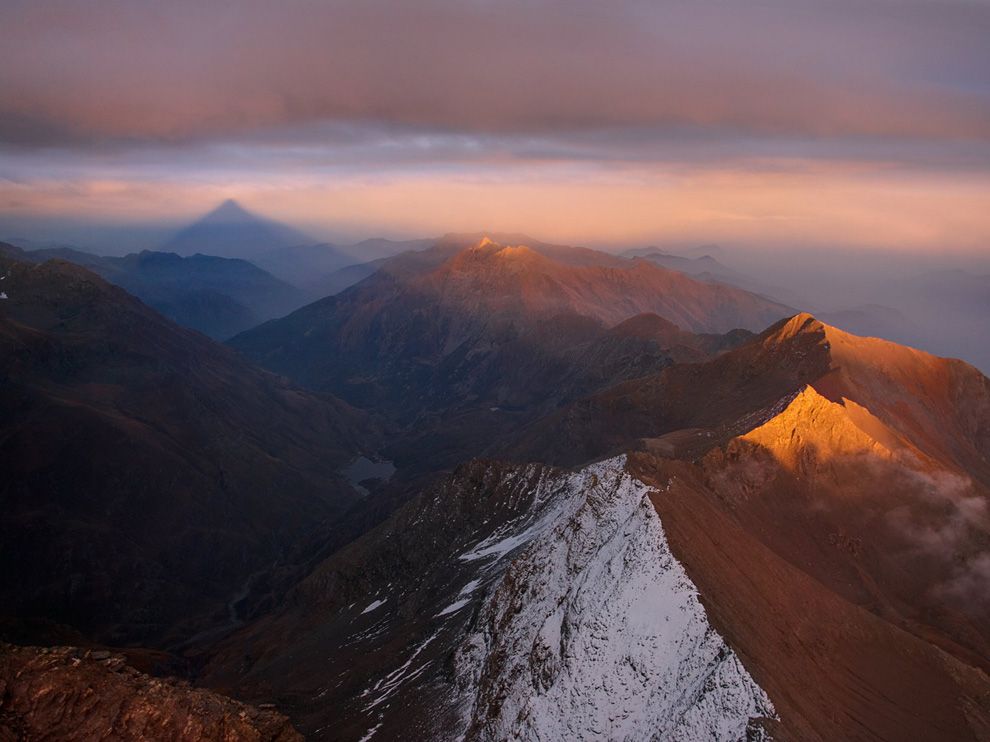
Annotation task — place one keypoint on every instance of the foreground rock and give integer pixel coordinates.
(67, 693)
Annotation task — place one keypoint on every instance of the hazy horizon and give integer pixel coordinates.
(773, 124)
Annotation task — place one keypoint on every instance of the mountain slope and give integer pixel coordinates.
(826, 502)
(914, 392)
(217, 296)
(497, 605)
(595, 632)
(148, 472)
(231, 231)
(859, 464)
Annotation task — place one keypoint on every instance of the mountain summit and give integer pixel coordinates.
(231, 231)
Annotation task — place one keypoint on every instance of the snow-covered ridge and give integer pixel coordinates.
(595, 631)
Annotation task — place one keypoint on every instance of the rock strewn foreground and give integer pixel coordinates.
(68, 693)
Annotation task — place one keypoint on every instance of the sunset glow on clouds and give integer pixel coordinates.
(790, 123)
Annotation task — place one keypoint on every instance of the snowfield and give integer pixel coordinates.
(595, 632)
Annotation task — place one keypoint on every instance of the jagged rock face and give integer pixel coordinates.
(79, 695)
(521, 602)
(595, 632)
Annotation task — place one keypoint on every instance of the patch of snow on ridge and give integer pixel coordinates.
(550, 500)
(388, 685)
(373, 605)
(454, 607)
(595, 632)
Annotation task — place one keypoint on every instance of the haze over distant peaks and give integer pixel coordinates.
(231, 231)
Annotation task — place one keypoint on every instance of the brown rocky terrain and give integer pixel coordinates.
(72, 694)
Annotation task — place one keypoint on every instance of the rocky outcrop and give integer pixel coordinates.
(73, 694)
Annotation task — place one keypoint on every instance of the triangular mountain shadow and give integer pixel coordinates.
(231, 231)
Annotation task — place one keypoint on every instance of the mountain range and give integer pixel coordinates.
(220, 297)
(471, 337)
(598, 498)
(793, 542)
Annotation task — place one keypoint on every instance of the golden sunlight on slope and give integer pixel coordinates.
(938, 404)
(830, 429)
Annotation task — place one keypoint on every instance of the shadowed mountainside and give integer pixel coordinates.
(148, 472)
(217, 296)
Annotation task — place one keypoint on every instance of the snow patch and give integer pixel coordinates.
(454, 607)
(371, 732)
(546, 508)
(470, 587)
(394, 680)
(373, 605)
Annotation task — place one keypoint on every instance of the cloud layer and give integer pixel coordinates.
(241, 92)
(80, 72)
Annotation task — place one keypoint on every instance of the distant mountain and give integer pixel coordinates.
(217, 296)
(231, 231)
(305, 265)
(795, 526)
(148, 472)
(343, 278)
(698, 251)
(708, 268)
(473, 326)
(969, 292)
(325, 269)
(379, 248)
(692, 253)
(699, 266)
(940, 311)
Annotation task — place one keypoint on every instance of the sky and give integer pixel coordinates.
(784, 123)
